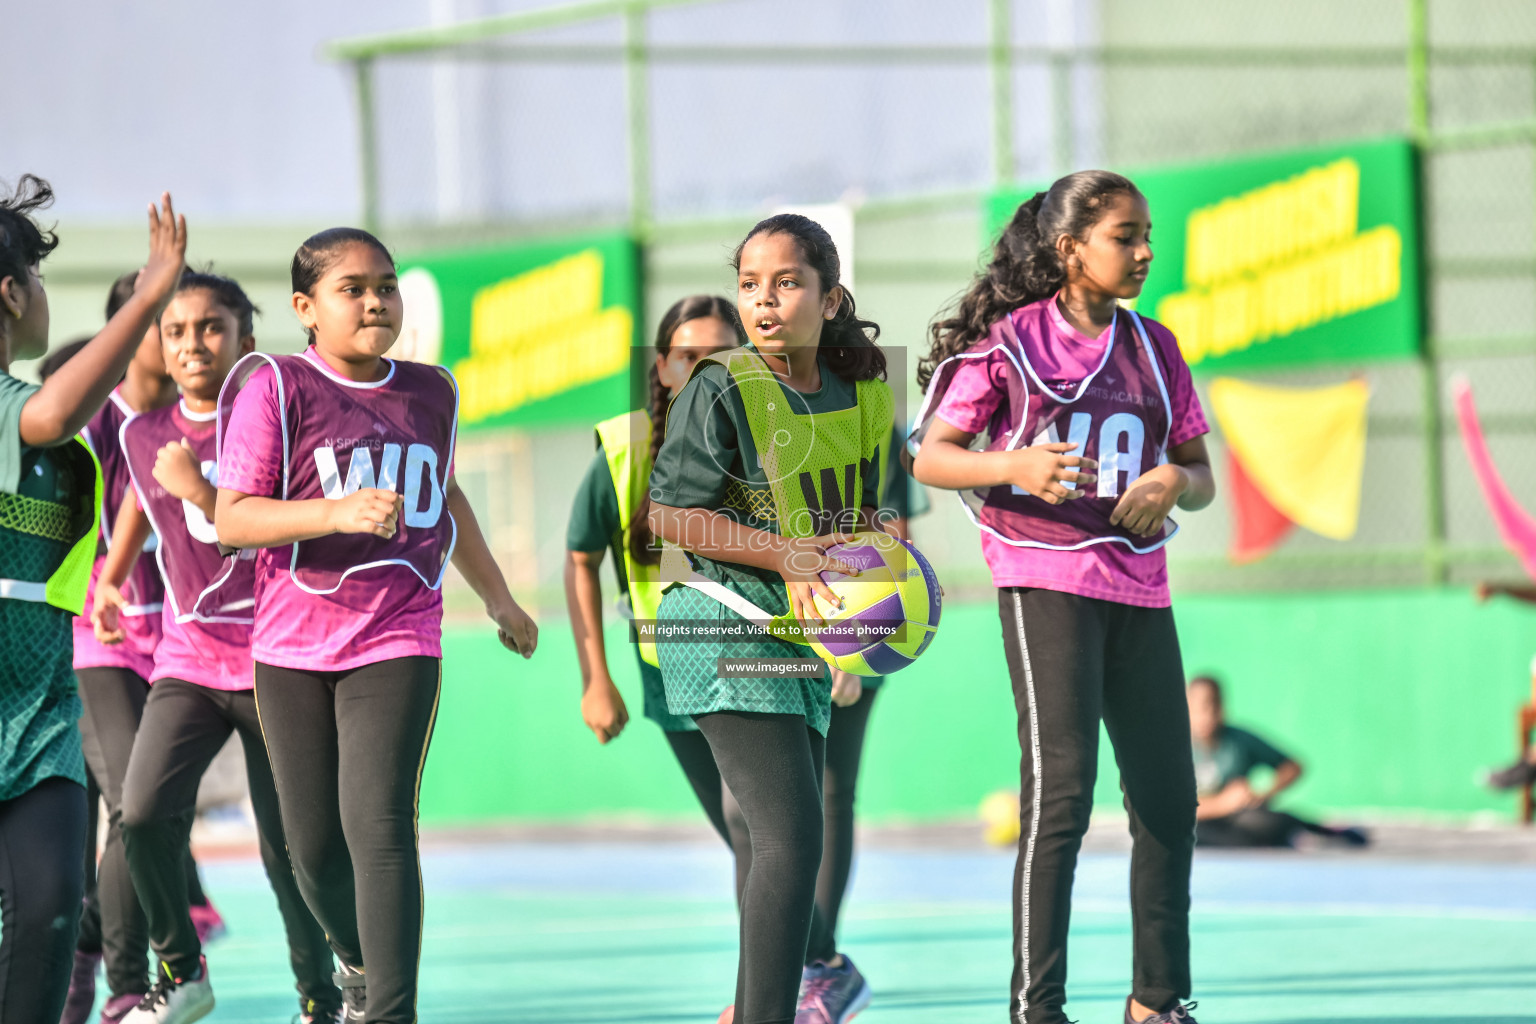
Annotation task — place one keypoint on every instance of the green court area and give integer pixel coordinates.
(644, 933)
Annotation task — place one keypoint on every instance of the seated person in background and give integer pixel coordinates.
(1230, 812)
(1523, 772)
(1516, 776)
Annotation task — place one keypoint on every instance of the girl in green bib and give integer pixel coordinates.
(610, 513)
(773, 452)
(50, 491)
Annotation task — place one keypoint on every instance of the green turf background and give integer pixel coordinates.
(1394, 700)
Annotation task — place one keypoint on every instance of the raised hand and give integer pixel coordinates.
(367, 510)
(1044, 470)
(167, 254)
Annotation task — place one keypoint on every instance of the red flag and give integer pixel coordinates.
(1257, 526)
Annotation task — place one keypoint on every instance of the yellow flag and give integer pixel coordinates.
(1303, 448)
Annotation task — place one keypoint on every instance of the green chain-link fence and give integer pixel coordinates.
(690, 120)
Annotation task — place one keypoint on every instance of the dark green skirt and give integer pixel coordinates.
(655, 694)
(690, 669)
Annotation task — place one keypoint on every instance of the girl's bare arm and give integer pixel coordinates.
(472, 557)
(248, 521)
(946, 460)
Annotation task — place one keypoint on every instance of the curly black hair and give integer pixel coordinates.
(22, 243)
(847, 342)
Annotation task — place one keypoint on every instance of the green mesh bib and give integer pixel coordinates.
(47, 548)
(626, 441)
(814, 462)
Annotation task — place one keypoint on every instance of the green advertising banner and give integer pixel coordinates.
(537, 334)
(1286, 259)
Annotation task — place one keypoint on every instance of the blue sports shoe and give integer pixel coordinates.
(831, 995)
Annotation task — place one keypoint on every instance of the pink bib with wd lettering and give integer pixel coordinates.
(291, 428)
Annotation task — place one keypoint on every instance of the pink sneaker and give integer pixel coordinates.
(82, 989)
(208, 922)
(118, 1006)
(727, 1015)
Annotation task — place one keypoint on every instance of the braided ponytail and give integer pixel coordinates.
(1026, 265)
(641, 542)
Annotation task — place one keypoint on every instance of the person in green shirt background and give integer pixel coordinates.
(1231, 812)
(603, 520)
(49, 486)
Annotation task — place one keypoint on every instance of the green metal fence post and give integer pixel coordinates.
(637, 86)
(1063, 146)
(1418, 69)
(1435, 561)
(367, 142)
(1001, 54)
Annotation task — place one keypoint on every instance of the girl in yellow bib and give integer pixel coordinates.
(610, 513)
(773, 451)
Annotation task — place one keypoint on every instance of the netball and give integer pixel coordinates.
(890, 610)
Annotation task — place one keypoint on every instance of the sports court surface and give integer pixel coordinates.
(567, 929)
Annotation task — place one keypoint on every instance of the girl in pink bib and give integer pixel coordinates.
(336, 467)
(202, 679)
(1070, 427)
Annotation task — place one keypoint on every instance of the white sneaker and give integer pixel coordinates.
(175, 1000)
(338, 1016)
(354, 993)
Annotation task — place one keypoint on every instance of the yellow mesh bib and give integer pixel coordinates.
(814, 461)
(36, 517)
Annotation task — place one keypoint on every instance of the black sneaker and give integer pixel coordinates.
(1178, 1015)
(1517, 776)
(354, 993)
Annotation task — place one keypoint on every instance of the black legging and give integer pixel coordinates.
(773, 766)
(698, 763)
(347, 750)
(184, 727)
(89, 938)
(845, 750)
(1074, 662)
(112, 922)
(41, 833)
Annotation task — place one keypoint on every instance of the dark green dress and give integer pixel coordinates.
(594, 526)
(39, 699)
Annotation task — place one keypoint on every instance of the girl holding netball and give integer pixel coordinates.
(610, 511)
(1091, 433)
(771, 451)
(337, 465)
